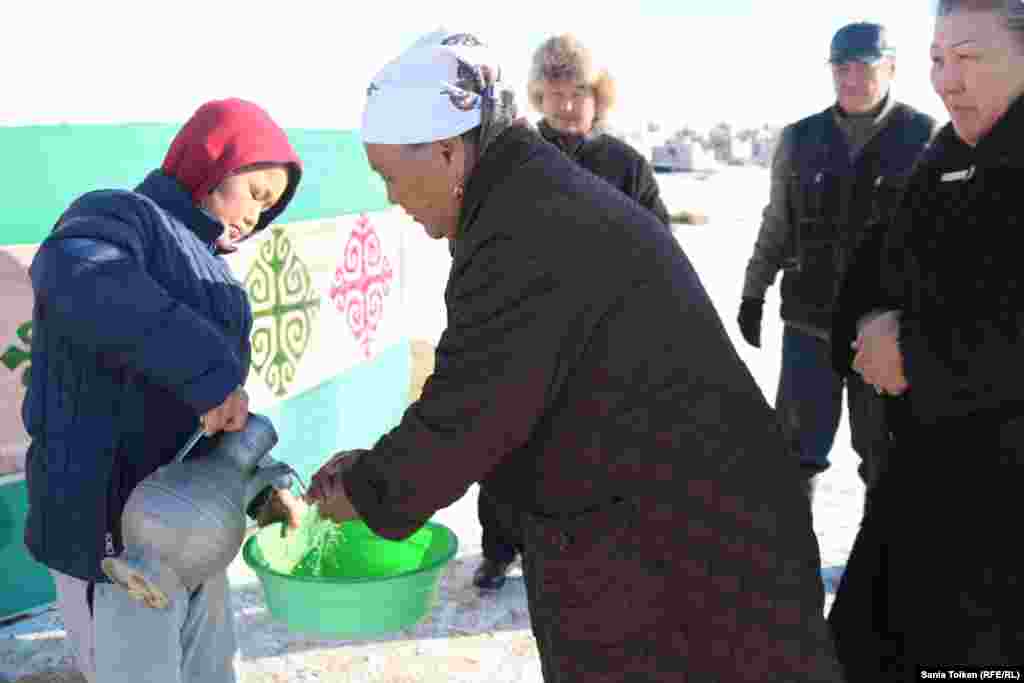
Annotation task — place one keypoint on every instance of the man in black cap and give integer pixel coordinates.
(834, 174)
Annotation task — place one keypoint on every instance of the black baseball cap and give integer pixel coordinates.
(860, 42)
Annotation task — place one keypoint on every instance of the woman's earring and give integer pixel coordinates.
(458, 191)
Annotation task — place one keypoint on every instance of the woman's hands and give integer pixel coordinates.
(878, 359)
(229, 416)
(327, 490)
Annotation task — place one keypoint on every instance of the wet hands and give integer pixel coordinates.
(878, 359)
(282, 506)
(229, 416)
(327, 490)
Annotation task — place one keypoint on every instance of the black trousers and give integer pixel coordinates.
(502, 534)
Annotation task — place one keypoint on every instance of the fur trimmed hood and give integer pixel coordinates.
(564, 57)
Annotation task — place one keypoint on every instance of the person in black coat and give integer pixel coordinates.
(575, 98)
(930, 315)
(587, 380)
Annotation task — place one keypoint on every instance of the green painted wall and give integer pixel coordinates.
(24, 584)
(55, 164)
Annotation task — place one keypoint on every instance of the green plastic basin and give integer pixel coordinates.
(375, 585)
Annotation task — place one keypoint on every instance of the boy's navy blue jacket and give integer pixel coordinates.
(139, 327)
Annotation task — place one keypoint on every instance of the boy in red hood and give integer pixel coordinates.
(140, 331)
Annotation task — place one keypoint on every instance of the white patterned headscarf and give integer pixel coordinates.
(444, 85)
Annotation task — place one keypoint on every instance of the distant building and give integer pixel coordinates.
(682, 155)
(689, 149)
(764, 145)
(741, 151)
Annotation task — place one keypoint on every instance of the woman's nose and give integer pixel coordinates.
(951, 78)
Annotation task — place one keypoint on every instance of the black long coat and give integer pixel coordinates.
(933, 577)
(587, 379)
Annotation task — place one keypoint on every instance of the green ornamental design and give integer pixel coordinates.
(284, 306)
(19, 353)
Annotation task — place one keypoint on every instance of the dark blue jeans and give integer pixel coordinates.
(810, 401)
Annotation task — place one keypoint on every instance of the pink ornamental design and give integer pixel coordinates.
(361, 282)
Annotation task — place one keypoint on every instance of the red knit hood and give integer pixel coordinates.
(224, 136)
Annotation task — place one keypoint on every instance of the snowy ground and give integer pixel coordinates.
(469, 637)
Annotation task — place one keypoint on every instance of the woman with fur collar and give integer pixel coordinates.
(576, 97)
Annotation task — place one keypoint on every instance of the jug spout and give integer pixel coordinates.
(278, 475)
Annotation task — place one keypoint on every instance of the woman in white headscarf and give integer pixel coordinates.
(586, 379)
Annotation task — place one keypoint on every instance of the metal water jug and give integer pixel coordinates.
(186, 521)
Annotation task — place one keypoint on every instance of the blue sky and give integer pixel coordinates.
(678, 62)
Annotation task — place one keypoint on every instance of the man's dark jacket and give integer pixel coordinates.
(586, 378)
(613, 160)
(951, 493)
(822, 203)
(138, 328)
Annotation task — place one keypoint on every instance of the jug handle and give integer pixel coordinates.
(192, 441)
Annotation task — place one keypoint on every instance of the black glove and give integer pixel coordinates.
(750, 320)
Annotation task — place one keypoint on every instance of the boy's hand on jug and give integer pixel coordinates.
(229, 416)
